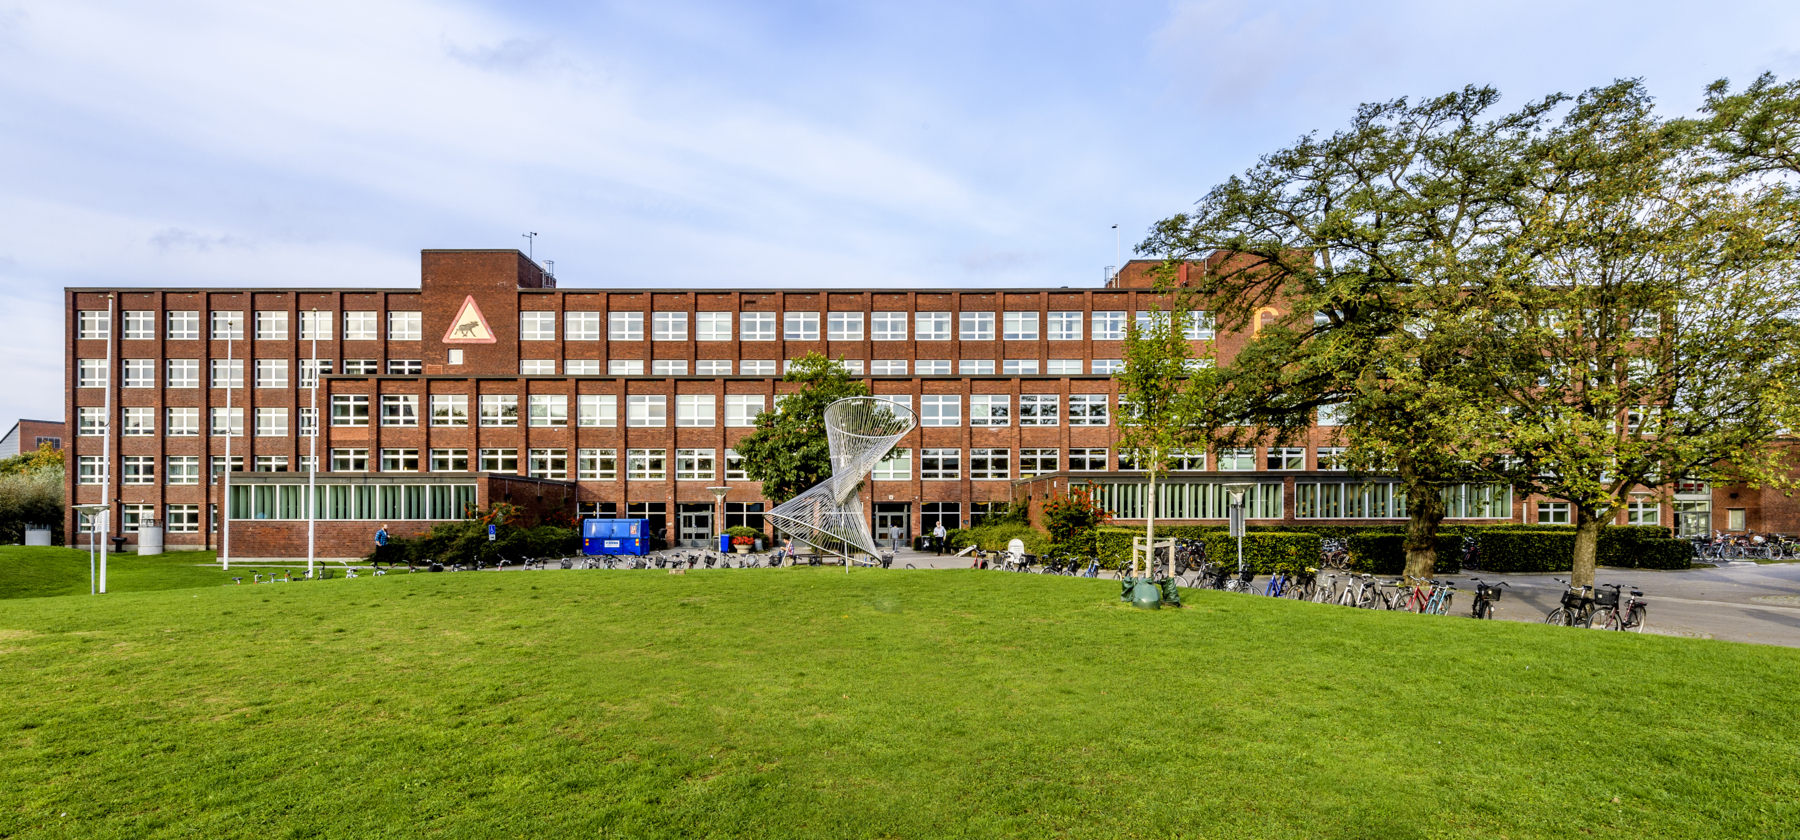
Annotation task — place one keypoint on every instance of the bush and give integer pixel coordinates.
(1551, 548)
(1066, 517)
(1664, 554)
(1267, 552)
(1385, 554)
(466, 541)
(995, 537)
(1520, 550)
(742, 531)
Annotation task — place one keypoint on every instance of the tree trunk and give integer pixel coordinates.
(1424, 514)
(1587, 546)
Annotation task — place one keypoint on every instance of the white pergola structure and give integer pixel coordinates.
(829, 515)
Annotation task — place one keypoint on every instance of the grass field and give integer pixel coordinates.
(28, 572)
(809, 703)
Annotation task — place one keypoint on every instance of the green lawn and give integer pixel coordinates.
(28, 572)
(806, 703)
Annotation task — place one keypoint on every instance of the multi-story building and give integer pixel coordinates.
(488, 383)
(28, 435)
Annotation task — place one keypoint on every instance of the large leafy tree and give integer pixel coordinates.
(1655, 273)
(1159, 397)
(788, 452)
(1360, 264)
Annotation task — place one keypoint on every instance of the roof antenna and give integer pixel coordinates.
(530, 243)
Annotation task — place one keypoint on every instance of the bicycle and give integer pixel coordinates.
(1485, 596)
(1576, 606)
(1611, 614)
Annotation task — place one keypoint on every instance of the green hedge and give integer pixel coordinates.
(1267, 552)
(996, 537)
(1664, 554)
(1552, 548)
(1526, 551)
(1385, 554)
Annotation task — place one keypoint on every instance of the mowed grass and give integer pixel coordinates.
(806, 703)
(37, 571)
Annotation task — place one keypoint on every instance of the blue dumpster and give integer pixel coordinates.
(724, 543)
(615, 536)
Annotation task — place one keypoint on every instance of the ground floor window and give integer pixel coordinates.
(352, 501)
(1553, 513)
(1734, 519)
(1643, 511)
(134, 516)
(744, 515)
(933, 513)
(1199, 500)
(183, 519)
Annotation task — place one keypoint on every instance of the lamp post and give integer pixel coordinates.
(1236, 491)
(106, 428)
(93, 513)
(719, 507)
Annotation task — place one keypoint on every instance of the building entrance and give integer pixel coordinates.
(696, 525)
(890, 514)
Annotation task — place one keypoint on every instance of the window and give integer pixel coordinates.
(549, 411)
(625, 326)
(349, 410)
(888, 367)
(887, 326)
(227, 373)
(669, 367)
(309, 422)
(450, 410)
(181, 519)
(140, 421)
(271, 325)
(741, 409)
(184, 422)
(227, 325)
(537, 367)
(581, 367)
(669, 326)
(1237, 460)
(399, 409)
(713, 367)
(537, 326)
(91, 421)
(646, 411)
(140, 373)
(1019, 367)
(978, 326)
(228, 421)
(271, 373)
(1196, 365)
(90, 373)
(183, 469)
(931, 326)
(933, 367)
(91, 470)
(271, 463)
(1643, 510)
(756, 326)
(853, 366)
(990, 410)
(1109, 326)
(694, 464)
(625, 367)
(756, 367)
(734, 470)
(1286, 458)
(93, 323)
(1064, 367)
(1063, 326)
(1038, 462)
(646, 464)
(347, 460)
(499, 460)
(696, 410)
(940, 410)
(975, 367)
(360, 366)
(1330, 458)
(1087, 460)
(897, 466)
(940, 463)
(844, 326)
(597, 464)
(990, 463)
(597, 410)
(552, 464)
(184, 373)
(414, 367)
(315, 324)
(360, 326)
(271, 422)
(237, 463)
(1021, 326)
(1108, 367)
(140, 325)
(1199, 326)
(138, 469)
(1332, 415)
(1087, 410)
(184, 325)
(712, 326)
(499, 410)
(1643, 325)
(399, 460)
(1734, 518)
(449, 460)
(1556, 513)
(131, 516)
(800, 326)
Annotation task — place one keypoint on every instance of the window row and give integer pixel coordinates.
(223, 324)
(385, 502)
(229, 373)
(768, 367)
(846, 326)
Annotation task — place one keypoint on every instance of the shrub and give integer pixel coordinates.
(1664, 554)
(1526, 551)
(466, 541)
(996, 537)
(736, 531)
(1385, 554)
(1066, 517)
(1267, 552)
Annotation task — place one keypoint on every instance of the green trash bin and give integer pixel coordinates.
(1145, 595)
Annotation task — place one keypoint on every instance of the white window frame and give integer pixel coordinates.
(931, 326)
(646, 411)
(271, 325)
(625, 326)
(669, 326)
(800, 326)
(1089, 410)
(362, 325)
(757, 326)
(941, 410)
(712, 326)
(581, 326)
(844, 326)
(975, 326)
(887, 326)
(537, 325)
(990, 410)
(1020, 326)
(549, 411)
(597, 411)
(498, 411)
(696, 410)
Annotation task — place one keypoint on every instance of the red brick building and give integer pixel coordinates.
(28, 435)
(488, 383)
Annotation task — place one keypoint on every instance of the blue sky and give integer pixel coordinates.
(678, 143)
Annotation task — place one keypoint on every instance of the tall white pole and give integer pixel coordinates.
(312, 470)
(225, 494)
(106, 428)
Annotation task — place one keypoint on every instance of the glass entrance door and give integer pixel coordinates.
(889, 515)
(696, 525)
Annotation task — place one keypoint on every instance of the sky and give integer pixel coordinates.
(685, 143)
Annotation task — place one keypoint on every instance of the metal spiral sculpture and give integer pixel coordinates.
(829, 515)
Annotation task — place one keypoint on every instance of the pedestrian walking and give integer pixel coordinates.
(894, 536)
(937, 537)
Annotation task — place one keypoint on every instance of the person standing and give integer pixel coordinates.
(894, 537)
(937, 536)
(381, 541)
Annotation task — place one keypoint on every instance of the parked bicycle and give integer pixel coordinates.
(1577, 604)
(1615, 611)
(1485, 596)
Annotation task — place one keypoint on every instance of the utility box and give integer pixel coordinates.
(615, 536)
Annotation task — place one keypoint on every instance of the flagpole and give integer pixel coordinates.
(312, 470)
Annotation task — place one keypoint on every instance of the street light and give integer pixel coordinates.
(719, 506)
(93, 513)
(1237, 490)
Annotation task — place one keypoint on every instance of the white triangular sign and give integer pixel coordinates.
(469, 327)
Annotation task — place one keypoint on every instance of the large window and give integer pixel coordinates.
(646, 411)
(669, 326)
(712, 326)
(227, 325)
(741, 409)
(977, 326)
(669, 367)
(382, 502)
(1040, 409)
(597, 410)
(1038, 462)
(316, 325)
(713, 367)
(227, 373)
(537, 326)
(888, 367)
(1286, 458)
(937, 464)
(756, 326)
(183, 373)
(1063, 326)
(940, 410)
(625, 367)
(696, 410)
(1237, 460)
(183, 469)
(228, 421)
(499, 410)
(1021, 326)
(399, 409)
(271, 373)
(887, 326)
(184, 422)
(975, 367)
(140, 373)
(90, 421)
(349, 410)
(1087, 460)
(646, 464)
(1183, 500)
(450, 410)
(1087, 410)
(90, 373)
(1553, 513)
(346, 460)
(95, 324)
(181, 519)
(271, 422)
(581, 326)
(1643, 510)
(140, 325)
(597, 464)
(137, 469)
(931, 326)
(399, 460)
(184, 325)
(552, 464)
(361, 326)
(1019, 367)
(694, 464)
(271, 325)
(90, 469)
(449, 460)
(1109, 326)
(800, 326)
(625, 326)
(499, 460)
(844, 326)
(990, 463)
(990, 410)
(897, 466)
(549, 411)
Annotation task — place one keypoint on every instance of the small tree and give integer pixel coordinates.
(1157, 401)
(788, 452)
(1069, 516)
